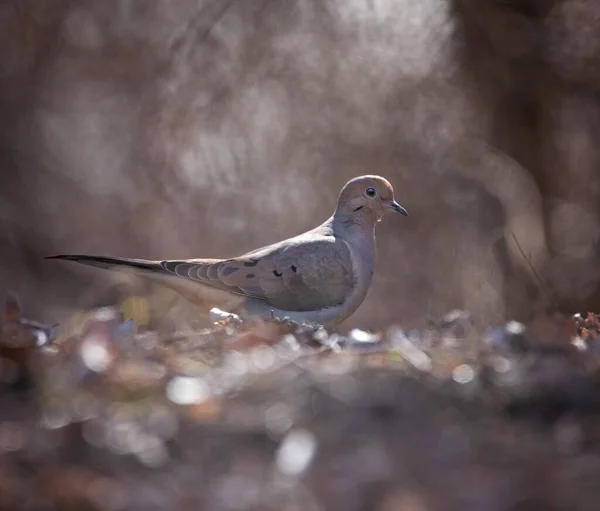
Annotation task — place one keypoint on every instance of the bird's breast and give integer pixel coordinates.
(362, 253)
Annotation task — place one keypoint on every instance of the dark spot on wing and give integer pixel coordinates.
(276, 273)
(294, 269)
(229, 270)
(250, 275)
(252, 263)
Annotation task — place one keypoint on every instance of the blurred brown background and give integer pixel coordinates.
(191, 128)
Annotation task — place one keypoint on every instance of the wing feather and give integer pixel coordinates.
(302, 275)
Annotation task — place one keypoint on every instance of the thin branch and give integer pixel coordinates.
(542, 284)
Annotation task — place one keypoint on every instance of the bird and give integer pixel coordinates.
(318, 277)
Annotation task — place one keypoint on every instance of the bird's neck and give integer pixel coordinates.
(358, 230)
(362, 222)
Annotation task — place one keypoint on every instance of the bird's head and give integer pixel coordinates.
(368, 198)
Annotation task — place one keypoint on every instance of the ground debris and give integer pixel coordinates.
(278, 415)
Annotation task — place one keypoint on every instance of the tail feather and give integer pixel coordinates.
(200, 294)
(110, 262)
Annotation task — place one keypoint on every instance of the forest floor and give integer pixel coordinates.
(279, 416)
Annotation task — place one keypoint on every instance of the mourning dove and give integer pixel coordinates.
(320, 276)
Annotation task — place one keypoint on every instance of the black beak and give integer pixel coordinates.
(399, 209)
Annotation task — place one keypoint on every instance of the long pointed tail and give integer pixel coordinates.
(200, 294)
(112, 262)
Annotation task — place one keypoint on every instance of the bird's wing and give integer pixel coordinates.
(303, 273)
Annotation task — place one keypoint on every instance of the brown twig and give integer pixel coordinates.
(541, 282)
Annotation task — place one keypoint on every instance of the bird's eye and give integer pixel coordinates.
(370, 192)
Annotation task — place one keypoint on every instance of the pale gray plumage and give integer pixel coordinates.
(320, 276)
